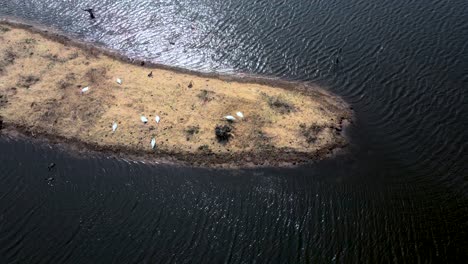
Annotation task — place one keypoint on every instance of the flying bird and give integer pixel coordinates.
(91, 12)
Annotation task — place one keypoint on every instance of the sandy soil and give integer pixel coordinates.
(41, 82)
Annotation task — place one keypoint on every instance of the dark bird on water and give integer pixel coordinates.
(150, 74)
(51, 166)
(91, 12)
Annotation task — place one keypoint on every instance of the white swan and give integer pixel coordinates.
(114, 126)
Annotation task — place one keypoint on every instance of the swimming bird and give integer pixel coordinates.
(84, 90)
(119, 81)
(239, 114)
(153, 143)
(230, 118)
(91, 12)
(114, 126)
(150, 74)
(157, 118)
(51, 166)
(144, 119)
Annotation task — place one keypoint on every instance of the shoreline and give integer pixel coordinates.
(227, 154)
(63, 38)
(250, 160)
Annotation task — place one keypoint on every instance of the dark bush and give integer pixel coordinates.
(223, 132)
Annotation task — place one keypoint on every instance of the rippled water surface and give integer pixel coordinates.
(399, 196)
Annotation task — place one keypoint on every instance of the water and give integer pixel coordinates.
(399, 196)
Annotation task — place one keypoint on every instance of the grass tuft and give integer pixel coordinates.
(279, 104)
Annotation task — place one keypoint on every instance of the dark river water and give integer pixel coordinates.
(400, 195)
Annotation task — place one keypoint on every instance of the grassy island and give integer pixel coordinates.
(71, 92)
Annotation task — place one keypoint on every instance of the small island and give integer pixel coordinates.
(71, 92)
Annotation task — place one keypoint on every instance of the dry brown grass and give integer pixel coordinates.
(190, 106)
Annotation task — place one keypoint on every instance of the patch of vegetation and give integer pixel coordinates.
(73, 56)
(311, 132)
(223, 132)
(95, 74)
(27, 81)
(92, 53)
(191, 131)
(70, 76)
(54, 58)
(4, 29)
(67, 82)
(8, 58)
(3, 100)
(262, 140)
(204, 148)
(30, 41)
(279, 104)
(206, 95)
